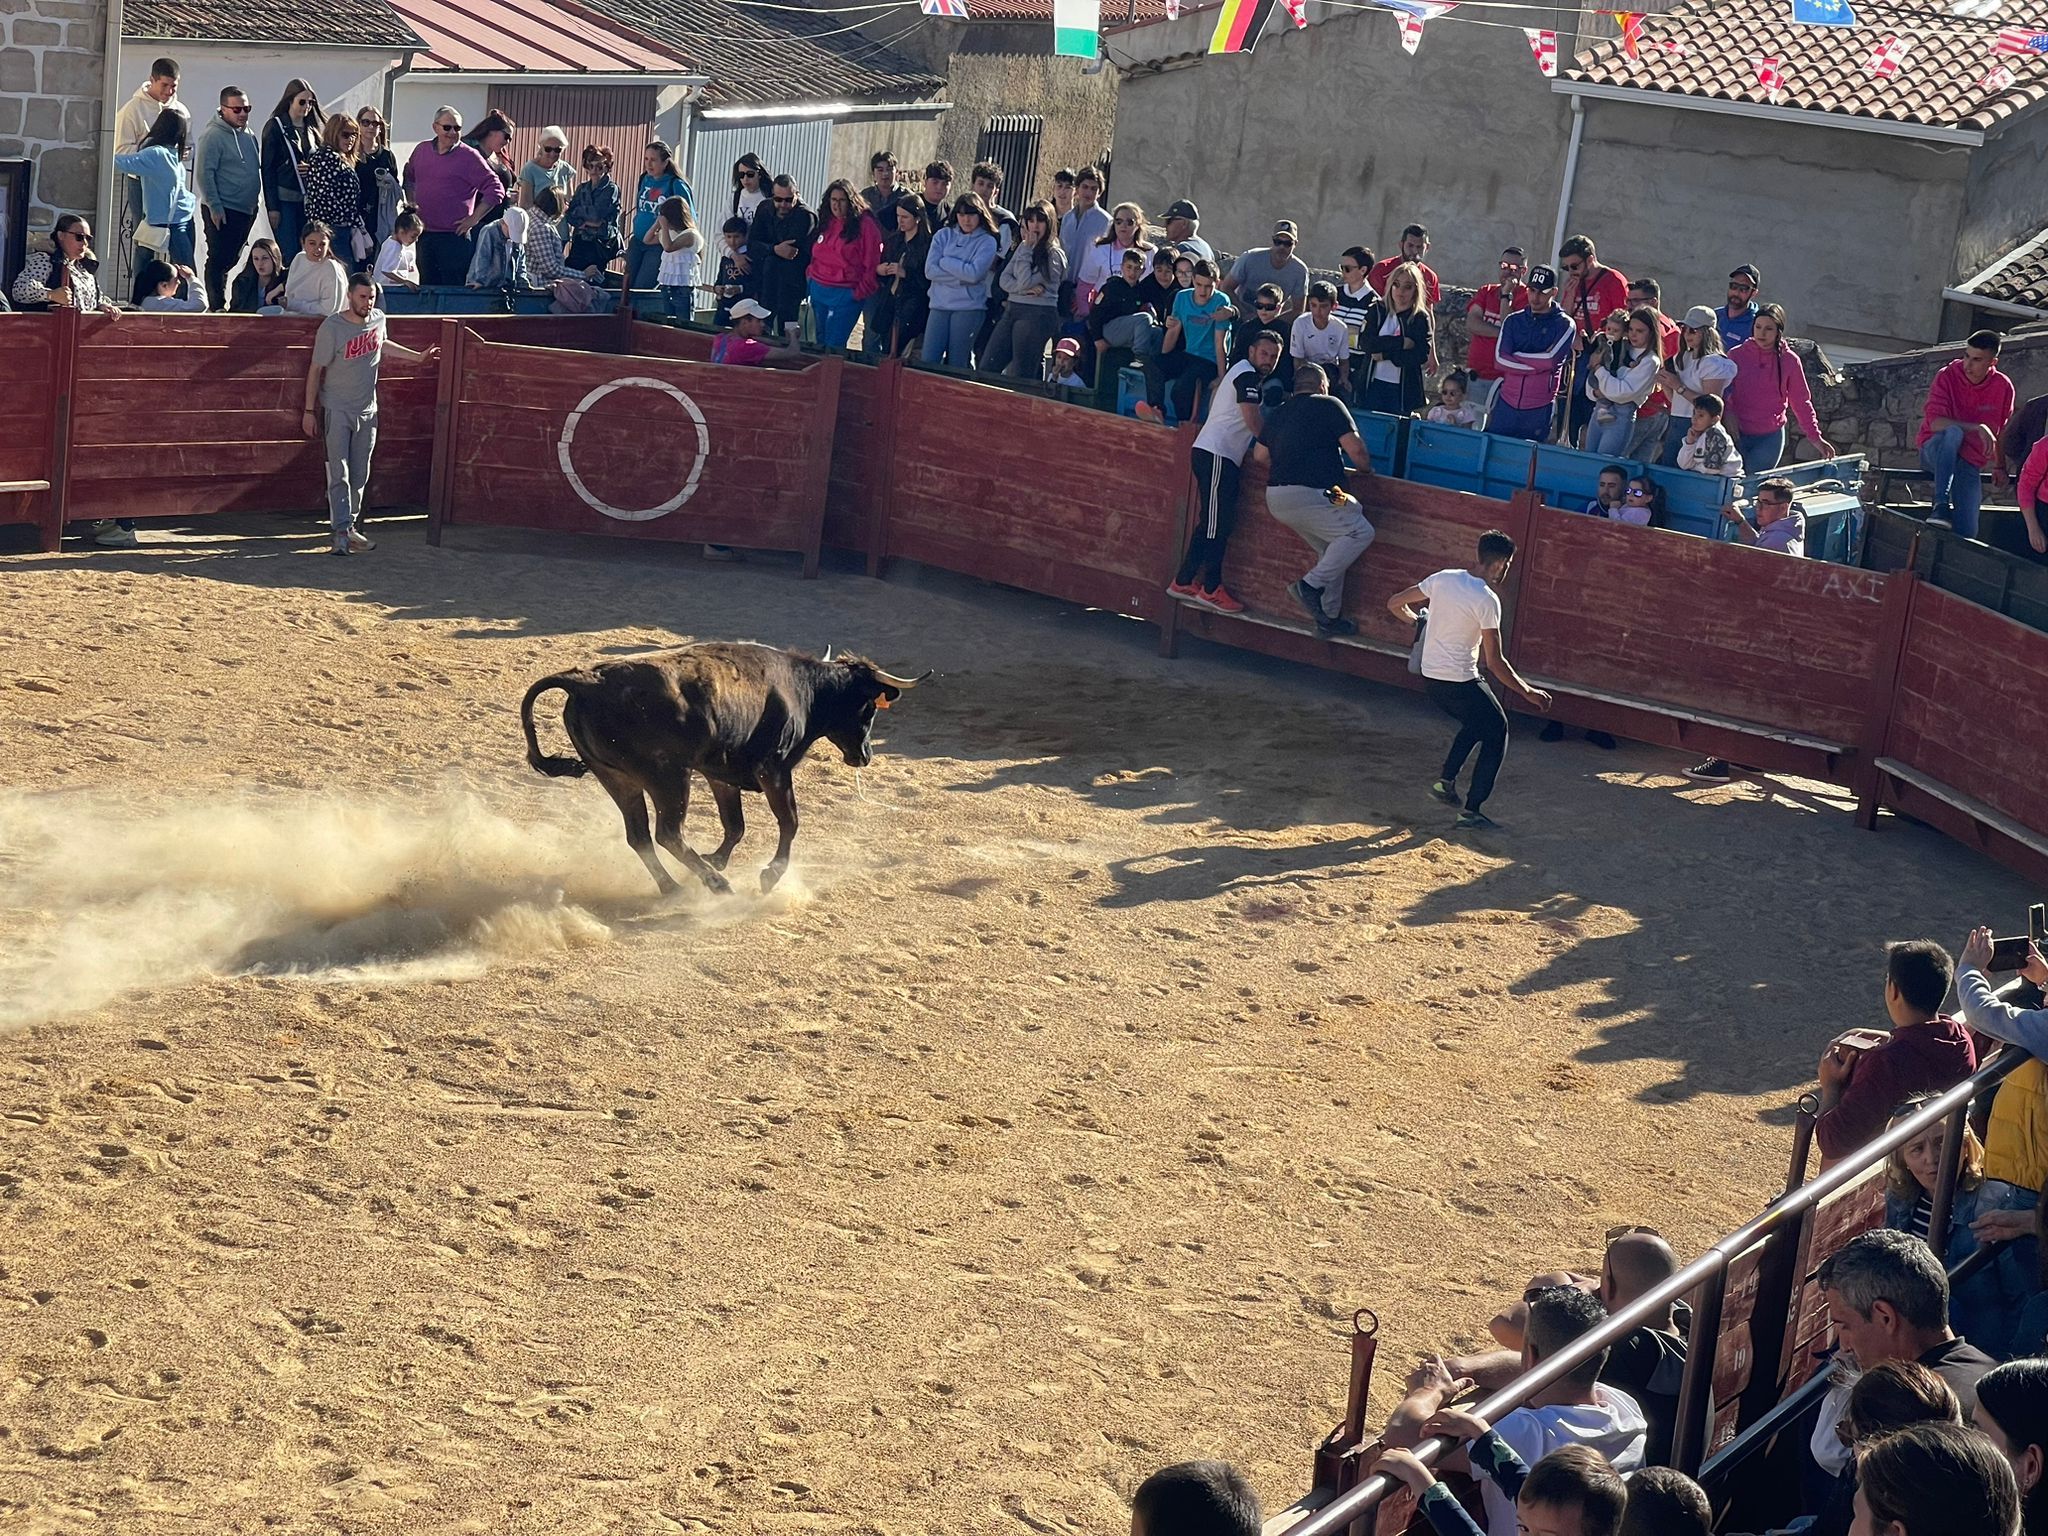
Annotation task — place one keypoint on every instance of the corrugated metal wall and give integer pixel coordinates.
(618, 117)
(801, 148)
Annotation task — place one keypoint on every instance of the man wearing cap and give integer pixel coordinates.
(1182, 222)
(1303, 442)
(1532, 352)
(1738, 320)
(742, 345)
(1483, 316)
(1276, 264)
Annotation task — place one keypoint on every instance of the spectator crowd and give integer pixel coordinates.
(1931, 1414)
(1065, 291)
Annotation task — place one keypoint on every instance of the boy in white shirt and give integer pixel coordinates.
(1318, 337)
(397, 261)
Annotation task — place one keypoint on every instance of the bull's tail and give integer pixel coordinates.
(553, 767)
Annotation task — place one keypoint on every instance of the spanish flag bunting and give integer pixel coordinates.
(1631, 24)
(1238, 24)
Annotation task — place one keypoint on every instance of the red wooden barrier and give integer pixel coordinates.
(638, 447)
(1729, 647)
(1417, 529)
(35, 386)
(1964, 742)
(1031, 492)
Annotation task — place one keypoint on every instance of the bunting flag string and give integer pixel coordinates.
(1411, 33)
(2021, 40)
(1543, 43)
(1770, 78)
(1238, 25)
(1979, 10)
(1997, 81)
(1076, 29)
(1297, 11)
(957, 9)
(1631, 24)
(1885, 58)
(1173, 10)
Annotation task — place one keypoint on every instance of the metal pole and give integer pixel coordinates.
(1945, 1187)
(1802, 1140)
(1696, 1391)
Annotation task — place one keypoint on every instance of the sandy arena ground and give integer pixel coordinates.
(379, 1155)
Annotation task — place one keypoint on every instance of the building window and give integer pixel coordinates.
(1011, 142)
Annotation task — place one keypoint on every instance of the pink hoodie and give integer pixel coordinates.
(841, 263)
(1766, 385)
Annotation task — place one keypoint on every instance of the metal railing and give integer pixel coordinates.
(1705, 1281)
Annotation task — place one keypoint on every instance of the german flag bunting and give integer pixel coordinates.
(1238, 25)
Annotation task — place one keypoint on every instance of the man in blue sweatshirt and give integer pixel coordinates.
(229, 171)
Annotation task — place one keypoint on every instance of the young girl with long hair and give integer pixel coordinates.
(1622, 375)
(682, 247)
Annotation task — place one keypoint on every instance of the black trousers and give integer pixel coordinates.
(223, 249)
(444, 258)
(1216, 494)
(1482, 723)
(1184, 371)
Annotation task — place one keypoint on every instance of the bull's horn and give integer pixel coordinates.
(828, 654)
(903, 682)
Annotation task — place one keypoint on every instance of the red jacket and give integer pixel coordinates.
(1588, 306)
(1918, 1058)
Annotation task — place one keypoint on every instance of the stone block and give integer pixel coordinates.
(11, 8)
(71, 74)
(13, 149)
(17, 71)
(89, 36)
(68, 179)
(1882, 434)
(45, 119)
(30, 33)
(81, 121)
(10, 114)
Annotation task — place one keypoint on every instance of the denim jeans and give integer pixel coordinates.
(1958, 484)
(949, 337)
(288, 224)
(1674, 437)
(835, 310)
(643, 264)
(680, 299)
(1760, 450)
(1140, 332)
(1610, 439)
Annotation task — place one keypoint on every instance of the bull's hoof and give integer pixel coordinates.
(717, 882)
(770, 876)
(717, 857)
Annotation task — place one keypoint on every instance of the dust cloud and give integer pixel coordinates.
(103, 898)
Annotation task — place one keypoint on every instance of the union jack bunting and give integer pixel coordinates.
(957, 9)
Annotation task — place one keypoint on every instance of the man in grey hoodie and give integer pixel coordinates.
(229, 176)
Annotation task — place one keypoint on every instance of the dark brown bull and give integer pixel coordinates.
(741, 714)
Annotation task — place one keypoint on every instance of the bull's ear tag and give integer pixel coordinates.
(883, 701)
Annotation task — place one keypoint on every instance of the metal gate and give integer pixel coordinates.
(619, 118)
(800, 148)
(1011, 142)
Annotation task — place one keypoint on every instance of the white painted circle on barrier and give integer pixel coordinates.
(689, 485)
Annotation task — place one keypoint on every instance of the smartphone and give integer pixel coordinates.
(2009, 954)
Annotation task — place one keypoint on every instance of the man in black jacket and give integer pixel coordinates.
(781, 248)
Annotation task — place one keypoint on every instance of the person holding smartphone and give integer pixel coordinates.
(1865, 1073)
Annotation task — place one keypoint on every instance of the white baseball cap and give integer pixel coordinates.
(747, 307)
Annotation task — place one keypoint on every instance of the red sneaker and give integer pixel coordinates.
(1219, 598)
(1147, 411)
(1186, 591)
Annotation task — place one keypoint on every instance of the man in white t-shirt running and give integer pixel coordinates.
(1219, 451)
(1463, 625)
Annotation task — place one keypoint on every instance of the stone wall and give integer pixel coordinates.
(50, 69)
(1875, 407)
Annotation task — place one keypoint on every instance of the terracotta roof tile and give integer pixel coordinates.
(2020, 277)
(757, 57)
(1115, 13)
(373, 25)
(1712, 50)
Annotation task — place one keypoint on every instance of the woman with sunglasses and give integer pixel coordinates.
(168, 205)
(334, 193)
(658, 183)
(1700, 368)
(377, 173)
(593, 218)
(1103, 257)
(548, 170)
(455, 190)
(290, 135)
(845, 251)
(63, 277)
(750, 184)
